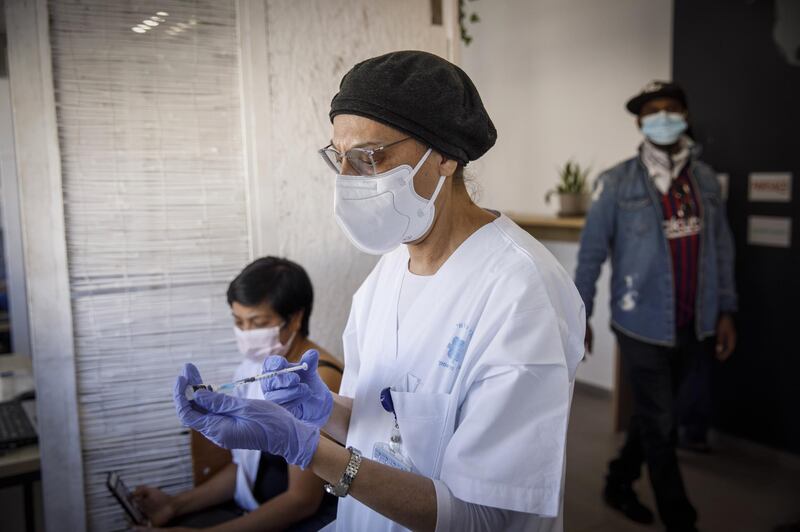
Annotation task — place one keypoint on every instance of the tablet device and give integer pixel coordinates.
(123, 495)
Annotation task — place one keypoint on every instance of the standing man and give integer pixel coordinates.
(661, 218)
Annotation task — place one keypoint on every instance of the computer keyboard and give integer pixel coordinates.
(16, 429)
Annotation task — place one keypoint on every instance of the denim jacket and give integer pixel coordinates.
(626, 221)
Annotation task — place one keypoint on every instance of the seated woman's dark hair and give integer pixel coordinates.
(281, 283)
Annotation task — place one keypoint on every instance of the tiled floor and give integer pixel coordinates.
(733, 490)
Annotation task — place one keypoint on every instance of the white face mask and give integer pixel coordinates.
(258, 344)
(380, 212)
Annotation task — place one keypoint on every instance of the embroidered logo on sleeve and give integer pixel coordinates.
(457, 348)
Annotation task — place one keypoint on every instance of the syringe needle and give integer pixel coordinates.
(191, 389)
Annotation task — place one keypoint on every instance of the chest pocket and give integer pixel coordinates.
(635, 215)
(422, 418)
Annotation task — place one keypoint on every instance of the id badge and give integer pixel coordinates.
(382, 452)
(391, 453)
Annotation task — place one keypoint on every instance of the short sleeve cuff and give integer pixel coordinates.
(444, 505)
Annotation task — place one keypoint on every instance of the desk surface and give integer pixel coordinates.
(11, 362)
(25, 459)
(16, 376)
(19, 461)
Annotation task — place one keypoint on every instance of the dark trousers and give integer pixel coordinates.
(655, 374)
(694, 399)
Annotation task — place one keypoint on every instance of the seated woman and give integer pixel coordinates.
(271, 301)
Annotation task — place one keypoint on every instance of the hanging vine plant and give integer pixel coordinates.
(465, 18)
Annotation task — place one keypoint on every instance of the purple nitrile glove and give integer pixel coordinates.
(235, 423)
(303, 393)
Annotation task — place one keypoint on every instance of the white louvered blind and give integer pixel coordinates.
(156, 217)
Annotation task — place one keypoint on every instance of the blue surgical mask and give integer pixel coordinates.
(664, 128)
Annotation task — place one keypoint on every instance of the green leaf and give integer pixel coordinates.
(572, 178)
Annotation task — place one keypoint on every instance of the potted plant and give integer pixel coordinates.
(572, 192)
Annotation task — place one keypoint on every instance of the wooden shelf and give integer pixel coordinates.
(548, 227)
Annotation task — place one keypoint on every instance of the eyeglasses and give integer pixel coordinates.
(363, 160)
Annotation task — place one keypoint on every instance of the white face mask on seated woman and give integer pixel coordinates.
(258, 344)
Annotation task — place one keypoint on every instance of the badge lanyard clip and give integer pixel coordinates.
(395, 440)
(391, 453)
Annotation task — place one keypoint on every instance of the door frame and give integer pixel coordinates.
(44, 249)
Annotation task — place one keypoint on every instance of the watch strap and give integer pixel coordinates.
(343, 487)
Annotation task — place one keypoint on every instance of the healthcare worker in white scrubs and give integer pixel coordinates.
(461, 346)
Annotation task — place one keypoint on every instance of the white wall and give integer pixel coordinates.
(555, 76)
(311, 45)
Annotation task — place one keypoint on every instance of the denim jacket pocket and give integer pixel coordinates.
(635, 215)
(632, 204)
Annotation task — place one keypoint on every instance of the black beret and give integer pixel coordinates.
(653, 90)
(423, 95)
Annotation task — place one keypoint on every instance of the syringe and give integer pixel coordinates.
(230, 386)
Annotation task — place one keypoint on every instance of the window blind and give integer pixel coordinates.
(149, 119)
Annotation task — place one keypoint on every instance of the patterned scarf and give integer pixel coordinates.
(662, 166)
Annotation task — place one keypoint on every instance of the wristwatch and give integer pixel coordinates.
(350, 472)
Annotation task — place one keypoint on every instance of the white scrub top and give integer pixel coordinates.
(247, 460)
(480, 366)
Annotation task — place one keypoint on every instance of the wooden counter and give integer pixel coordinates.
(549, 227)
